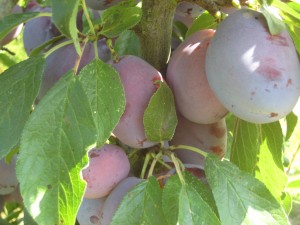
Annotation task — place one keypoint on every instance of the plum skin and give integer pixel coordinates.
(186, 76)
(138, 78)
(254, 74)
(101, 4)
(90, 210)
(107, 167)
(64, 59)
(8, 178)
(211, 138)
(15, 32)
(115, 197)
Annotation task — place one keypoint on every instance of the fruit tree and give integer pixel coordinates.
(148, 112)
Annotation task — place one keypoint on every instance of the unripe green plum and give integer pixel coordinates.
(90, 210)
(211, 138)
(187, 78)
(138, 78)
(107, 167)
(64, 59)
(115, 197)
(254, 74)
(8, 178)
(15, 32)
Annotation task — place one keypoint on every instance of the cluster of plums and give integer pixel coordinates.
(239, 68)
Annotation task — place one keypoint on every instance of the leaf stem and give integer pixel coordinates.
(191, 148)
(88, 18)
(58, 47)
(112, 50)
(293, 159)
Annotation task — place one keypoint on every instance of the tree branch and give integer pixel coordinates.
(155, 31)
(6, 7)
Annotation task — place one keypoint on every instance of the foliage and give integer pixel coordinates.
(52, 138)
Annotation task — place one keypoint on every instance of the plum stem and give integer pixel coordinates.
(156, 158)
(191, 148)
(177, 168)
(146, 161)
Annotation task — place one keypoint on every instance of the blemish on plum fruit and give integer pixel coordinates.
(217, 150)
(275, 86)
(107, 2)
(141, 142)
(289, 82)
(278, 40)
(93, 155)
(267, 90)
(272, 114)
(94, 219)
(217, 131)
(267, 69)
(156, 81)
(196, 172)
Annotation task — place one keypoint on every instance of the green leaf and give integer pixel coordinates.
(294, 184)
(64, 17)
(117, 19)
(180, 29)
(287, 8)
(103, 87)
(291, 122)
(143, 204)
(11, 21)
(204, 21)
(128, 43)
(270, 159)
(245, 146)
(19, 86)
(36, 51)
(188, 203)
(274, 23)
(287, 202)
(53, 151)
(240, 198)
(160, 118)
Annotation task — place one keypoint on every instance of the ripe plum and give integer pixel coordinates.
(107, 167)
(138, 78)
(186, 76)
(254, 74)
(211, 138)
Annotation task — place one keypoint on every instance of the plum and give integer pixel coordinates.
(101, 4)
(15, 32)
(64, 59)
(115, 197)
(90, 210)
(108, 165)
(254, 74)
(38, 30)
(210, 138)
(187, 78)
(186, 12)
(138, 78)
(8, 178)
